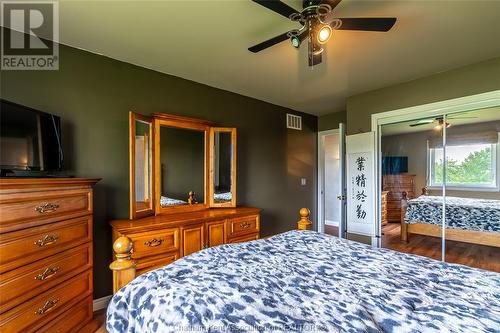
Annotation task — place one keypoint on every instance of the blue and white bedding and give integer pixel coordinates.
(224, 196)
(461, 213)
(305, 281)
(166, 201)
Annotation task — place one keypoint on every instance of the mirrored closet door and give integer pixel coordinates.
(440, 178)
(405, 198)
(472, 201)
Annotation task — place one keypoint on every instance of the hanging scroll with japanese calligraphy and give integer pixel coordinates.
(361, 184)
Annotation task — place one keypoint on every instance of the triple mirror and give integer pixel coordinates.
(180, 164)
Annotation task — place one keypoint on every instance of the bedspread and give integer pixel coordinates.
(461, 213)
(305, 281)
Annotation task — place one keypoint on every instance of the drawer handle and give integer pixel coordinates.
(47, 273)
(47, 307)
(153, 242)
(245, 225)
(47, 208)
(46, 240)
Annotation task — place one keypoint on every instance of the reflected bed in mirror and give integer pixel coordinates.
(222, 182)
(182, 166)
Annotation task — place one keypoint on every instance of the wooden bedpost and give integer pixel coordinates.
(123, 267)
(304, 223)
(425, 191)
(404, 226)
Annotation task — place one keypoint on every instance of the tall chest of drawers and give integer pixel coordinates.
(395, 185)
(45, 254)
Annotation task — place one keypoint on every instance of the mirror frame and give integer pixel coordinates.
(162, 119)
(231, 203)
(134, 212)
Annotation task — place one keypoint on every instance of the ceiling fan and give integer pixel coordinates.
(317, 24)
(439, 120)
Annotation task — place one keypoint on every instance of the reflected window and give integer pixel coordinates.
(467, 166)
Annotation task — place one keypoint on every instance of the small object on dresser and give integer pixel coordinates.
(191, 198)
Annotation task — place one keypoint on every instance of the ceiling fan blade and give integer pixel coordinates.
(367, 23)
(462, 117)
(423, 122)
(277, 6)
(419, 124)
(268, 43)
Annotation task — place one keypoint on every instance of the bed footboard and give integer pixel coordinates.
(123, 267)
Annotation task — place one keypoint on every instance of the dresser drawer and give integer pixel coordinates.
(245, 238)
(46, 307)
(243, 225)
(151, 243)
(18, 248)
(394, 205)
(29, 209)
(394, 216)
(148, 264)
(397, 196)
(19, 285)
(73, 319)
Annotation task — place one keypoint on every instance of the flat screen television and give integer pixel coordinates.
(393, 165)
(30, 141)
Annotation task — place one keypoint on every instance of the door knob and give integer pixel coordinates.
(341, 197)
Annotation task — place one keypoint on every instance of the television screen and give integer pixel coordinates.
(393, 165)
(30, 140)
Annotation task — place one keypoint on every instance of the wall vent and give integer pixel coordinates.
(293, 121)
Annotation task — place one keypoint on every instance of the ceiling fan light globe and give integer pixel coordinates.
(295, 41)
(324, 34)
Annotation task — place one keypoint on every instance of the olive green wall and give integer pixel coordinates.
(331, 120)
(93, 95)
(465, 81)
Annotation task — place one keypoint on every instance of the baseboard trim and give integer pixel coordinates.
(332, 223)
(101, 303)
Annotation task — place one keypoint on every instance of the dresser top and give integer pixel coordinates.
(165, 220)
(27, 182)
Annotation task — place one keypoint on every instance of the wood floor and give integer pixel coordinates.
(331, 230)
(97, 325)
(479, 256)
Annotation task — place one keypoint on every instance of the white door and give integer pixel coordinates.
(331, 189)
(361, 180)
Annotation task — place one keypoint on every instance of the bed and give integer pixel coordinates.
(475, 221)
(223, 197)
(305, 281)
(167, 202)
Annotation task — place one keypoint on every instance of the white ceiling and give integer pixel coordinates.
(206, 41)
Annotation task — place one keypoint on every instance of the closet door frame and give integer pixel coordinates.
(446, 107)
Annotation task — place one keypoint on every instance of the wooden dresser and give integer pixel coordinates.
(395, 185)
(162, 239)
(45, 254)
(383, 204)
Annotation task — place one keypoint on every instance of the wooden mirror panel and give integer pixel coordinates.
(222, 167)
(141, 165)
(181, 164)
